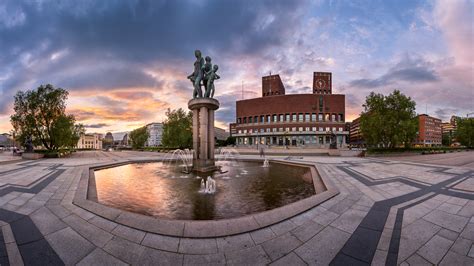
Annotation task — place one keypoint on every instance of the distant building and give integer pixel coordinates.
(6, 140)
(220, 133)
(448, 129)
(355, 134)
(429, 131)
(310, 119)
(125, 140)
(108, 140)
(155, 131)
(232, 129)
(90, 141)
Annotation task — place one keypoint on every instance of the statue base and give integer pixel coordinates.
(203, 133)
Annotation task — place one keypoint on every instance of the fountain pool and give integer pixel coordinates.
(241, 188)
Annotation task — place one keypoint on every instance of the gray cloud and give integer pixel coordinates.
(99, 125)
(107, 44)
(413, 70)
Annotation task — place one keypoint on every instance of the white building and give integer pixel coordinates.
(90, 141)
(155, 131)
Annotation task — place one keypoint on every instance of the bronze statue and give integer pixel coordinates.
(211, 76)
(29, 144)
(203, 72)
(197, 75)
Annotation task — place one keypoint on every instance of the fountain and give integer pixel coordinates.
(266, 163)
(208, 186)
(245, 187)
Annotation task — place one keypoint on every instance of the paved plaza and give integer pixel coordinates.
(410, 212)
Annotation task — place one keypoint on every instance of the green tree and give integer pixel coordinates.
(465, 131)
(139, 137)
(177, 129)
(389, 121)
(41, 114)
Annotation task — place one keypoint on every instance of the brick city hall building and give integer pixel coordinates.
(276, 118)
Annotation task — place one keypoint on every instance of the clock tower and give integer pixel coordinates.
(322, 83)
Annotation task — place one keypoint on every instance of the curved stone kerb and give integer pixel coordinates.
(197, 103)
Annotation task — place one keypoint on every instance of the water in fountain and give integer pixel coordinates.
(184, 156)
(266, 163)
(228, 153)
(209, 186)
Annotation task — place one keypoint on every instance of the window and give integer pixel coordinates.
(313, 117)
(293, 129)
(341, 118)
(300, 117)
(262, 130)
(340, 129)
(280, 129)
(300, 129)
(245, 120)
(274, 129)
(268, 129)
(307, 129)
(321, 129)
(333, 117)
(334, 129)
(255, 119)
(239, 120)
(326, 117)
(320, 117)
(268, 118)
(306, 117)
(282, 118)
(275, 118)
(245, 131)
(287, 118)
(250, 130)
(314, 129)
(293, 117)
(328, 129)
(262, 119)
(250, 120)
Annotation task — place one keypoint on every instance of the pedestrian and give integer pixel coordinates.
(262, 152)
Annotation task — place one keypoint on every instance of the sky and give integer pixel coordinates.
(125, 63)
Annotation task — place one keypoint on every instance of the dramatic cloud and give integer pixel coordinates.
(125, 62)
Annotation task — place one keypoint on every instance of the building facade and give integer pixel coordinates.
(155, 131)
(355, 134)
(316, 119)
(429, 131)
(90, 141)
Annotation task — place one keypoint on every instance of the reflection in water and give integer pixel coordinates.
(163, 191)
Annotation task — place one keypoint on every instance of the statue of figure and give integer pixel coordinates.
(205, 69)
(197, 75)
(211, 76)
(28, 144)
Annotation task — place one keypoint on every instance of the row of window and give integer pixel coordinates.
(291, 118)
(89, 142)
(293, 141)
(293, 129)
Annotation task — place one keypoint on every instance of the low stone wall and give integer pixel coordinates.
(32, 156)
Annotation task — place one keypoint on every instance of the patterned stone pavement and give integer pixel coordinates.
(387, 212)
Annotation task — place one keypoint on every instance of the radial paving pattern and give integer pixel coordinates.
(387, 212)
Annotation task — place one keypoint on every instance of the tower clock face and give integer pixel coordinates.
(320, 83)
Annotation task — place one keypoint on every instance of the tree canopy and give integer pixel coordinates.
(389, 121)
(41, 114)
(139, 137)
(177, 129)
(465, 131)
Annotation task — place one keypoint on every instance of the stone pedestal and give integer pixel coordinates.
(203, 133)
